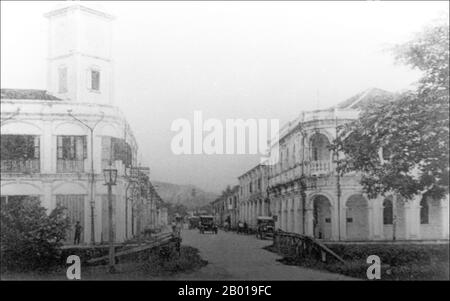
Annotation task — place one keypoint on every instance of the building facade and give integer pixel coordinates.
(253, 197)
(232, 206)
(226, 207)
(55, 144)
(309, 197)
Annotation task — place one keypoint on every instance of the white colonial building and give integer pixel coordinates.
(253, 198)
(309, 197)
(56, 143)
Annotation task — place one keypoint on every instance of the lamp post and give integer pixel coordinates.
(110, 180)
(91, 178)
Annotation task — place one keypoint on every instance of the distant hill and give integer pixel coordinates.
(188, 195)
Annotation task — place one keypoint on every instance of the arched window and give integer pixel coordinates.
(424, 211)
(387, 212)
(320, 147)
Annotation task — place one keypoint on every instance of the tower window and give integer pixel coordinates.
(95, 80)
(62, 74)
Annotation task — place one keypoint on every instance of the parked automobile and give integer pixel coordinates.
(193, 222)
(265, 227)
(207, 224)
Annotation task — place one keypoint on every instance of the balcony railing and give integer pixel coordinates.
(311, 168)
(63, 166)
(20, 166)
(320, 167)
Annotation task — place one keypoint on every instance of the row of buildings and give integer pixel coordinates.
(298, 185)
(56, 143)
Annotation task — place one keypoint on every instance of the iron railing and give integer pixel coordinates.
(21, 165)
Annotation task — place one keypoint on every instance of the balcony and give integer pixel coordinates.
(69, 166)
(20, 166)
(320, 167)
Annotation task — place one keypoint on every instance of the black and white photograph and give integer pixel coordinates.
(224, 141)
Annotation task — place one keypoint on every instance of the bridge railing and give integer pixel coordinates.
(300, 246)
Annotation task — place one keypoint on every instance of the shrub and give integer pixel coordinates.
(30, 238)
(167, 261)
(398, 261)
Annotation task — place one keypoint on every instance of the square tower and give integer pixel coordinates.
(80, 66)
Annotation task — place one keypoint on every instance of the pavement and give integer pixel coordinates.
(234, 256)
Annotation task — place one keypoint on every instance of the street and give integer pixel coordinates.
(241, 257)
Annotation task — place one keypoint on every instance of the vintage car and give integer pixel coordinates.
(207, 224)
(193, 222)
(265, 227)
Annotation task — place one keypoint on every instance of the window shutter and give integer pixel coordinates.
(85, 147)
(36, 147)
(72, 147)
(79, 147)
(106, 142)
(59, 143)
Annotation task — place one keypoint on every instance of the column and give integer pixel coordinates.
(46, 200)
(375, 208)
(444, 202)
(258, 208)
(335, 221)
(247, 212)
(292, 215)
(254, 213)
(370, 219)
(46, 153)
(412, 218)
(296, 216)
(285, 215)
(288, 215)
(343, 220)
(278, 212)
(309, 216)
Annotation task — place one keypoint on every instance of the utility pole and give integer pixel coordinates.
(111, 231)
(91, 176)
(303, 184)
(338, 184)
(139, 213)
(110, 175)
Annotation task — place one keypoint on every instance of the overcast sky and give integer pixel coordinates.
(230, 60)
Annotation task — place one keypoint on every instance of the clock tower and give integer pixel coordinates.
(80, 66)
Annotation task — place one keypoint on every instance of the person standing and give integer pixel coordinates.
(240, 227)
(78, 228)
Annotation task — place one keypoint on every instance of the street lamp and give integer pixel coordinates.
(91, 178)
(110, 180)
(110, 176)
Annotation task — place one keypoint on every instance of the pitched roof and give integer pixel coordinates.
(27, 94)
(365, 98)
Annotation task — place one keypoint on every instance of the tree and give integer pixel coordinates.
(30, 238)
(403, 146)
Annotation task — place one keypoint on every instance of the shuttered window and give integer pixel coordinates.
(72, 147)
